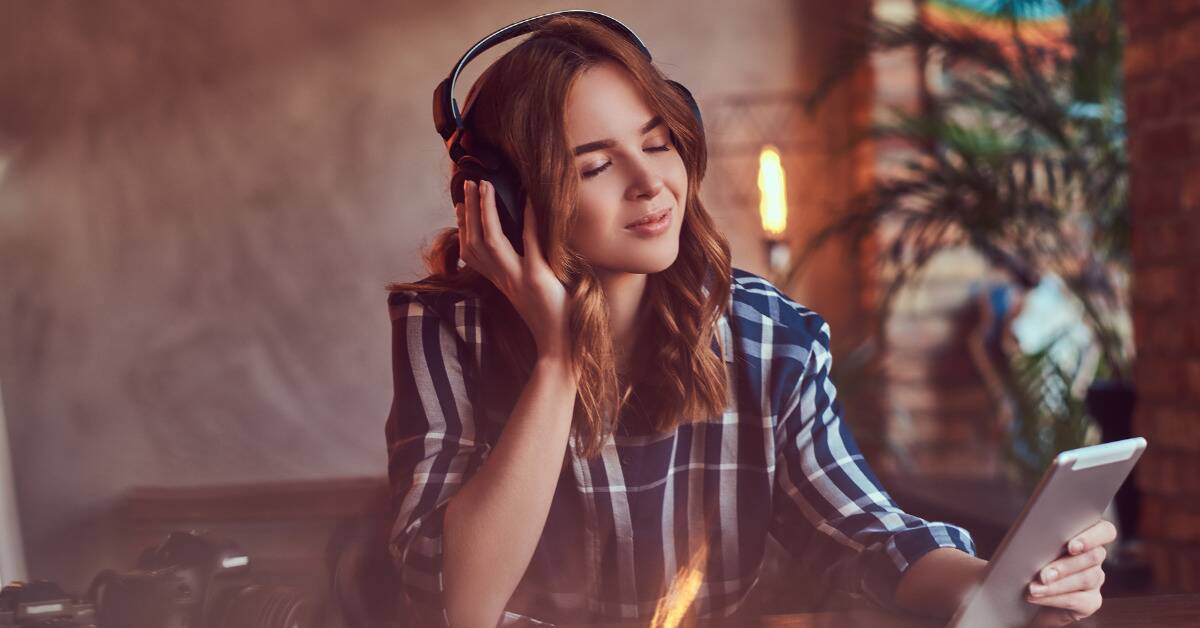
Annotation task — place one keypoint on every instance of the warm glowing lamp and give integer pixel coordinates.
(772, 207)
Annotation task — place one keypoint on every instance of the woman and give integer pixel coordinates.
(617, 421)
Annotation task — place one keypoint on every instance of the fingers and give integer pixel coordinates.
(460, 219)
(1071, 564)
(474, 228)
(1101, 533)
(1076, 605)
(493, 235)
(1073, 591)
(487, 223)
(1090, 578)
(482, 243)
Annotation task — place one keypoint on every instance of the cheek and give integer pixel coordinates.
(680, 177)
(599, 205)
(590, 220)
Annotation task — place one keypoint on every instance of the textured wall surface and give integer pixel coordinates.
(1162, 96)
(199, 206)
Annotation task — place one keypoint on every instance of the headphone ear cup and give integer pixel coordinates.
(510, 198)
(510, 205)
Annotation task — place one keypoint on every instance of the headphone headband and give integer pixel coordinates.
(446, 115)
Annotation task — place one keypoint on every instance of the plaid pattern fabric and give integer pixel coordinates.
(778, 469)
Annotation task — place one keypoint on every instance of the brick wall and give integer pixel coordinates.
(1162, 93)
(936, 406)
(939, 409)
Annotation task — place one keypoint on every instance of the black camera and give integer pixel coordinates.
(192, 580)
(42, 604)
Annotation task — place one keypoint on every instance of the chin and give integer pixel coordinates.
(649, 262)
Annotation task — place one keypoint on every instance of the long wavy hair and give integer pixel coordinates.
(524, 120)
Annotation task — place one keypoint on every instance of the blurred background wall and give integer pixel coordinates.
(200, 204)
(1162, 95)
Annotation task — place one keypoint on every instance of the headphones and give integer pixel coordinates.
(474, 160)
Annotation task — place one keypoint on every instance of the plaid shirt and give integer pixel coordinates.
(778, 471)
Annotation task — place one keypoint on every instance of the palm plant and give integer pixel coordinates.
(1022, 158)
(1053, 415)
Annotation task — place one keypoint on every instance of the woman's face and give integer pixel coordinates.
(627, 171)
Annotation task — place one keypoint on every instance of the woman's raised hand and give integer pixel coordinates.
(533, 289)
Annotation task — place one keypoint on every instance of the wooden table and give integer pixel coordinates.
(1148, 610)
(285, 527)
(1157, 611)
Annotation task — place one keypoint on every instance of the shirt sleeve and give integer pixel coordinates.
(832, 514)
(433, 447)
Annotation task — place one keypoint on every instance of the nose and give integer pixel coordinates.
(646, 182)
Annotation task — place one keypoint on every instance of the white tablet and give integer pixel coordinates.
(1072, 495)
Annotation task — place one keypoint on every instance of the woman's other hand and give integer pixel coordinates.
(1069, 587)
(533, 289)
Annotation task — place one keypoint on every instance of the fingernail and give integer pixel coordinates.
(1076, 546)
(1037, 589)
(1049, 575)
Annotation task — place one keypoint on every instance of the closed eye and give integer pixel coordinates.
(595, 171)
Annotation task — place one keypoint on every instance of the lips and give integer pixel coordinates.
(653, 216)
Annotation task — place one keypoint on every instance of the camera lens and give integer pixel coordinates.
(260, 606)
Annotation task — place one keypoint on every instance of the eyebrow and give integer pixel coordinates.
(591, 146)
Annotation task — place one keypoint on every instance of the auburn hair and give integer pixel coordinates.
(524, 120)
